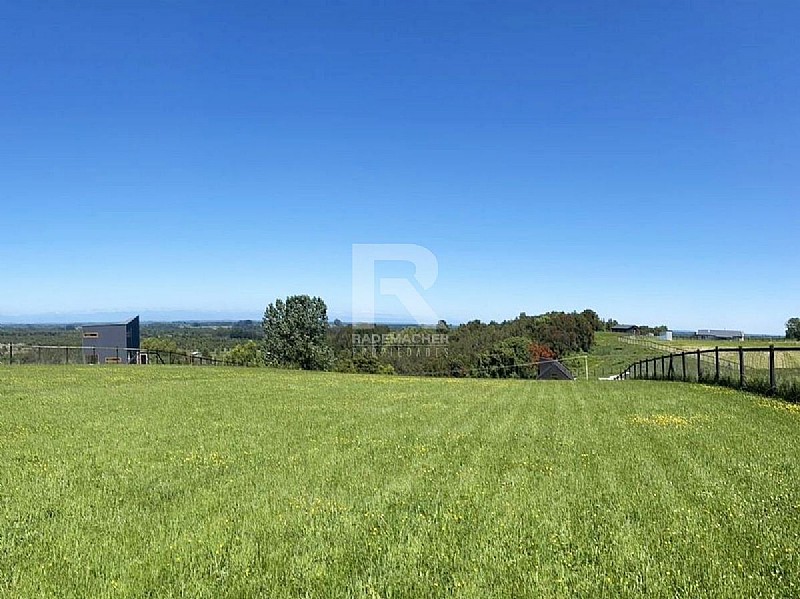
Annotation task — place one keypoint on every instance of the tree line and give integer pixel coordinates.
(297, 334)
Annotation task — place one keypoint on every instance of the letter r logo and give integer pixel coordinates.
(426, 269)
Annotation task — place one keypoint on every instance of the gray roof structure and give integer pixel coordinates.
(720, 334)
(553, 370)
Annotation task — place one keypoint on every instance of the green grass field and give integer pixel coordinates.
(610, 355)
(204, 482)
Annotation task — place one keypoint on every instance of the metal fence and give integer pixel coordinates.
(769, 370)
(16, 353)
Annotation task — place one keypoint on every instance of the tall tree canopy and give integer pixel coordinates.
(295, 333)
(793, 329)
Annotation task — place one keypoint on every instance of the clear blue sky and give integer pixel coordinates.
(638, 158)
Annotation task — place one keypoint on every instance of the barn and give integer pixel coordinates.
(111, 343)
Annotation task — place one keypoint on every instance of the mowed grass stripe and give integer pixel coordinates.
(201, 482)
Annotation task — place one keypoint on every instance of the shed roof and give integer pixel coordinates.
(720, 333)
(553, 369)
(111, 324)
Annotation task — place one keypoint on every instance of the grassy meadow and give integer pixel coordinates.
(611, 353)
(215, 482)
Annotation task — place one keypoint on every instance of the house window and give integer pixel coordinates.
(91, 335)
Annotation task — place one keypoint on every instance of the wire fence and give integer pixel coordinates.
(17, 353)
(769, 370)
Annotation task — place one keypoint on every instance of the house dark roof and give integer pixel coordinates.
(624, 327)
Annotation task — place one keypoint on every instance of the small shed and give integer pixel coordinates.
(553, 370)
(111, 343)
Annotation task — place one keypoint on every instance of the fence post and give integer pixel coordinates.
(66, 355)
(716, 364)
(773, 385)
(741, 367)
(663, 367)
(683, 365)
(647, 369)
(39, 354)
(699, 369)
(671, 372)
(10, 354)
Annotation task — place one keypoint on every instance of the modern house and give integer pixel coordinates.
(111, 343)
(553, 370)
(720, 334)
(625, 329)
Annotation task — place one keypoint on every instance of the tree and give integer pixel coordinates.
(295, 333)
(245, 354)
(509, 358)
(593, 319)
(793, 328)
(541, 353)
(159, 344)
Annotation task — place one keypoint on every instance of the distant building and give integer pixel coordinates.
(666, 336)
(111, 343)
(625, 329)
(720, 334)
(553, 370)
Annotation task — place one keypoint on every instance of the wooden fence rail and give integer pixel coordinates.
(740, 367)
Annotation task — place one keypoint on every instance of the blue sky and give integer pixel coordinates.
(637, 158)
